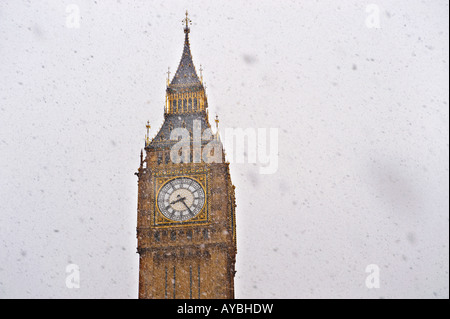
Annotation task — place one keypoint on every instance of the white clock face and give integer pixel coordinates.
(181, 199)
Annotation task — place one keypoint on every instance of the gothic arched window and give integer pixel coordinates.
(195, 104)
(185, 105)
(190, 105)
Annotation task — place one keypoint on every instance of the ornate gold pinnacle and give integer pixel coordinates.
(147, 137)
(168, 75)
(187, 21)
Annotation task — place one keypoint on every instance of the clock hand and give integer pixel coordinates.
(178, 200)
(183, 201)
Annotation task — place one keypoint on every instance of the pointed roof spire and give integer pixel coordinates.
(186, 75)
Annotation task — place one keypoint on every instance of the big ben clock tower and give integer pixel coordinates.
(186, 225)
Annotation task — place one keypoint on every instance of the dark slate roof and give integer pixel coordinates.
(186, 76)
(172, 121)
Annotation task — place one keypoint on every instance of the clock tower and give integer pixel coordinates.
(186, 225)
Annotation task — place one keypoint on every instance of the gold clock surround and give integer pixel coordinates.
(159, 220)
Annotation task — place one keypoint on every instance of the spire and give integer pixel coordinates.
(186, 93)
(185, 76)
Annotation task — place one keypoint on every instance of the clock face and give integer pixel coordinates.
(181, 199)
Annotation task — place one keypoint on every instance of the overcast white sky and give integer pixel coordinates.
(363, 127)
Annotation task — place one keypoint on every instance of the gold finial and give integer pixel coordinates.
(147, 138)
(201, 73)
(187, 21)
(217, 127)
(168, 75)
